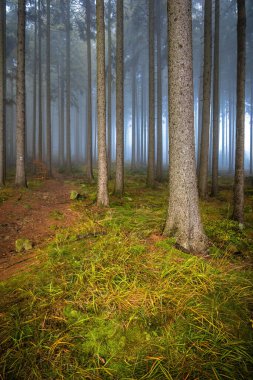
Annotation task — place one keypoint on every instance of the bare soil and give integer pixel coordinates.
(34, 215)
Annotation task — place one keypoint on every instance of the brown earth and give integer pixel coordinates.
(33, 214)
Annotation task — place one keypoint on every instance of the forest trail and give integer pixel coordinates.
(33, 214)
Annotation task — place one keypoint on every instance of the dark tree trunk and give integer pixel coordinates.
(159, 166)
(68, 132)
(48, 80)
(20, 98)
(35, 62)
(2, 93)
(109, 103)
(40, 85)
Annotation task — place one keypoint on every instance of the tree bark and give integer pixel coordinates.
(48, 80)
(183, 220)
(20, 98)
(2, 92)
(238, 212)
(39, 85)
(159, 165)
(204, 148)
(109, 86)
(151, 131)
(216, 102)
(119, 179)
(68, 133)
(102, 190)
(35, 62)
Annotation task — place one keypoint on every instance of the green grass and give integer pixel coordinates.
(112, 299)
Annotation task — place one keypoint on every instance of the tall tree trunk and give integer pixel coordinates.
(102, 191)
(151, 131)
(89, 171)
(204, 148)
(109, 91)
(48, 80)
(35, 62)
(68, 133)
(159, 165)
(119, 179)
(40, 84)
(251, 129)
(216, 102)
(62, 118)
(20, 98)
(238, 213)
(133, 159)
(2, 92)
(183, 220)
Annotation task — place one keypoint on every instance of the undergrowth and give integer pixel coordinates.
(113, 299)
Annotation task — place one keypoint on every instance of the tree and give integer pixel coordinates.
(2, 92)
(204, 147)
(109, 91)
(34, 83)
(151, 133)
(238, 213)
(68, 95)
(183, 219)
(119, 179)
(40, 83)
(159, 165)
(20, 98)
(216, 106)
(49, 143)
(102, 191)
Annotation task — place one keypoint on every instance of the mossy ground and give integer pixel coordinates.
(113, 299)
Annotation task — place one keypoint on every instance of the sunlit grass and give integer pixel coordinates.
(113, 299)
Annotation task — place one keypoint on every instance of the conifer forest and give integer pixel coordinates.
(126, 189)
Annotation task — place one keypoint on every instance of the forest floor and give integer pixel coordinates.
(103, 295)
(35, 214)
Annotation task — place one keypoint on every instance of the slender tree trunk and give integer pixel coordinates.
(109, 104)
(68, 133)
(62, 119)
(216, 102)
(89, 171)
(183, 220)
(204, 148)
(151, 133)
(251, 129)
(102, 192)
(159, 166)
(119, 179)
(49, 142)
(238, 213)
(35, 62)
(20, 98)
(39, 84)
(133, 160)
(2, 93)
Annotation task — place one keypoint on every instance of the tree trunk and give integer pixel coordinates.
(2, 92)
(251, 129)
(238, 213)
(109, 104)
(68, 133)
(159, 165)
(183, 220)
(102, 191)
(133, 159)
(204, 148)
(119, 179)
(216, 102)
(35, 62)
(40, 85)
(89, 171)
(48, 80)
(20, 98)
(151, 131)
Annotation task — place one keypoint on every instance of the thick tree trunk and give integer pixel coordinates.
(39, 85)
(2, 93)
(216, 102)
(159, 165)
(48, 80)
(119, 179)
(68, 133)
(109, 91)
(89, 171)
(238, 213)
(102, 191)
(183, 220)
(20, 98)
(204, 148)
(35, 62)
(151, 131)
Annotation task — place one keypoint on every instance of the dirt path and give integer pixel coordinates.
(34, 215)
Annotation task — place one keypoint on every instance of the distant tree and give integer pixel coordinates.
(216, 106)
(40, 132)
(109, 90)
(48, 74)
(151, 134)
(204, 148)
(119, 179)
(102, 193)
(20, 98)
(35, 62)
(238, 213)
(133, 158)
(68, 94)
(183, 220)
(2, 92)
